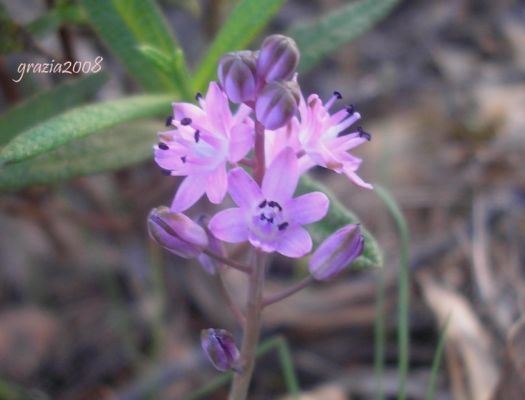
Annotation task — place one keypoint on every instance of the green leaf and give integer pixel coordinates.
(47, 104)
(80, 122)
(54, 18)
(242, 25)
(321, 37)
(124, 25)
(337, 217)
(118, 148)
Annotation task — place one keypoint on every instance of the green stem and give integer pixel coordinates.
(379, 336)
(403, 336)
(436, 363)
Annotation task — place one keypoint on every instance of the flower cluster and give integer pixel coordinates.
(256, 154)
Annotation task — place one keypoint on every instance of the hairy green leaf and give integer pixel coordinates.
(80, 122)
(242, 25)
(321, 37)
(47, 104)
(337, 217)
(124, 26)
(118, 148)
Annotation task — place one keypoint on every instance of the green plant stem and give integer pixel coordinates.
(436, 363)
(241, 380)
(403, 333)
(403, 337)
(379, 335)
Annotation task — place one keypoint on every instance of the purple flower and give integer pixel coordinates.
(176, 232)
(337, 252)
(219, 346)
(318, 137)
(203, 140)
(268, 216)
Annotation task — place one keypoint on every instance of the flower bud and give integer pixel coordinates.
(276, 105)
(176, 232)
(337, 252)
(278, 58)
(219, 346)
(237, 74)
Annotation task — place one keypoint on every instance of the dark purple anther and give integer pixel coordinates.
(338, 94)
(282, 226)
(169, 120)
(185, 121)
(165, 172)
(197, 136)
(275, 204)
(350, 109)
(364, 134)
(163, 146)
(183, 159)
(263, 204)
(198, 96)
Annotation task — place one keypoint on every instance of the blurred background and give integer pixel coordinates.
(90, 308)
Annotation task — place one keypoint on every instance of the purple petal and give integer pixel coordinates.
(241, 142)
(346, 142)
(189, 192)
(294, 242)
(230, 225)
(191, 111)
(243, 189)
(281, 178)
(259, 242)
(357, 179)
(217, 185)
(308, 208)
(217, 108)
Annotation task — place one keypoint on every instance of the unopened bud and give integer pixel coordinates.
(276, 105)
(176, 232)
(337, 252)
(278, 58)
(219, 346)
(237, 74)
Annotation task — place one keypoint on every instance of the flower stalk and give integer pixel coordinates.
(241, 380)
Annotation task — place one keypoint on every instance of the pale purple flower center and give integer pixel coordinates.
(269, 218)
